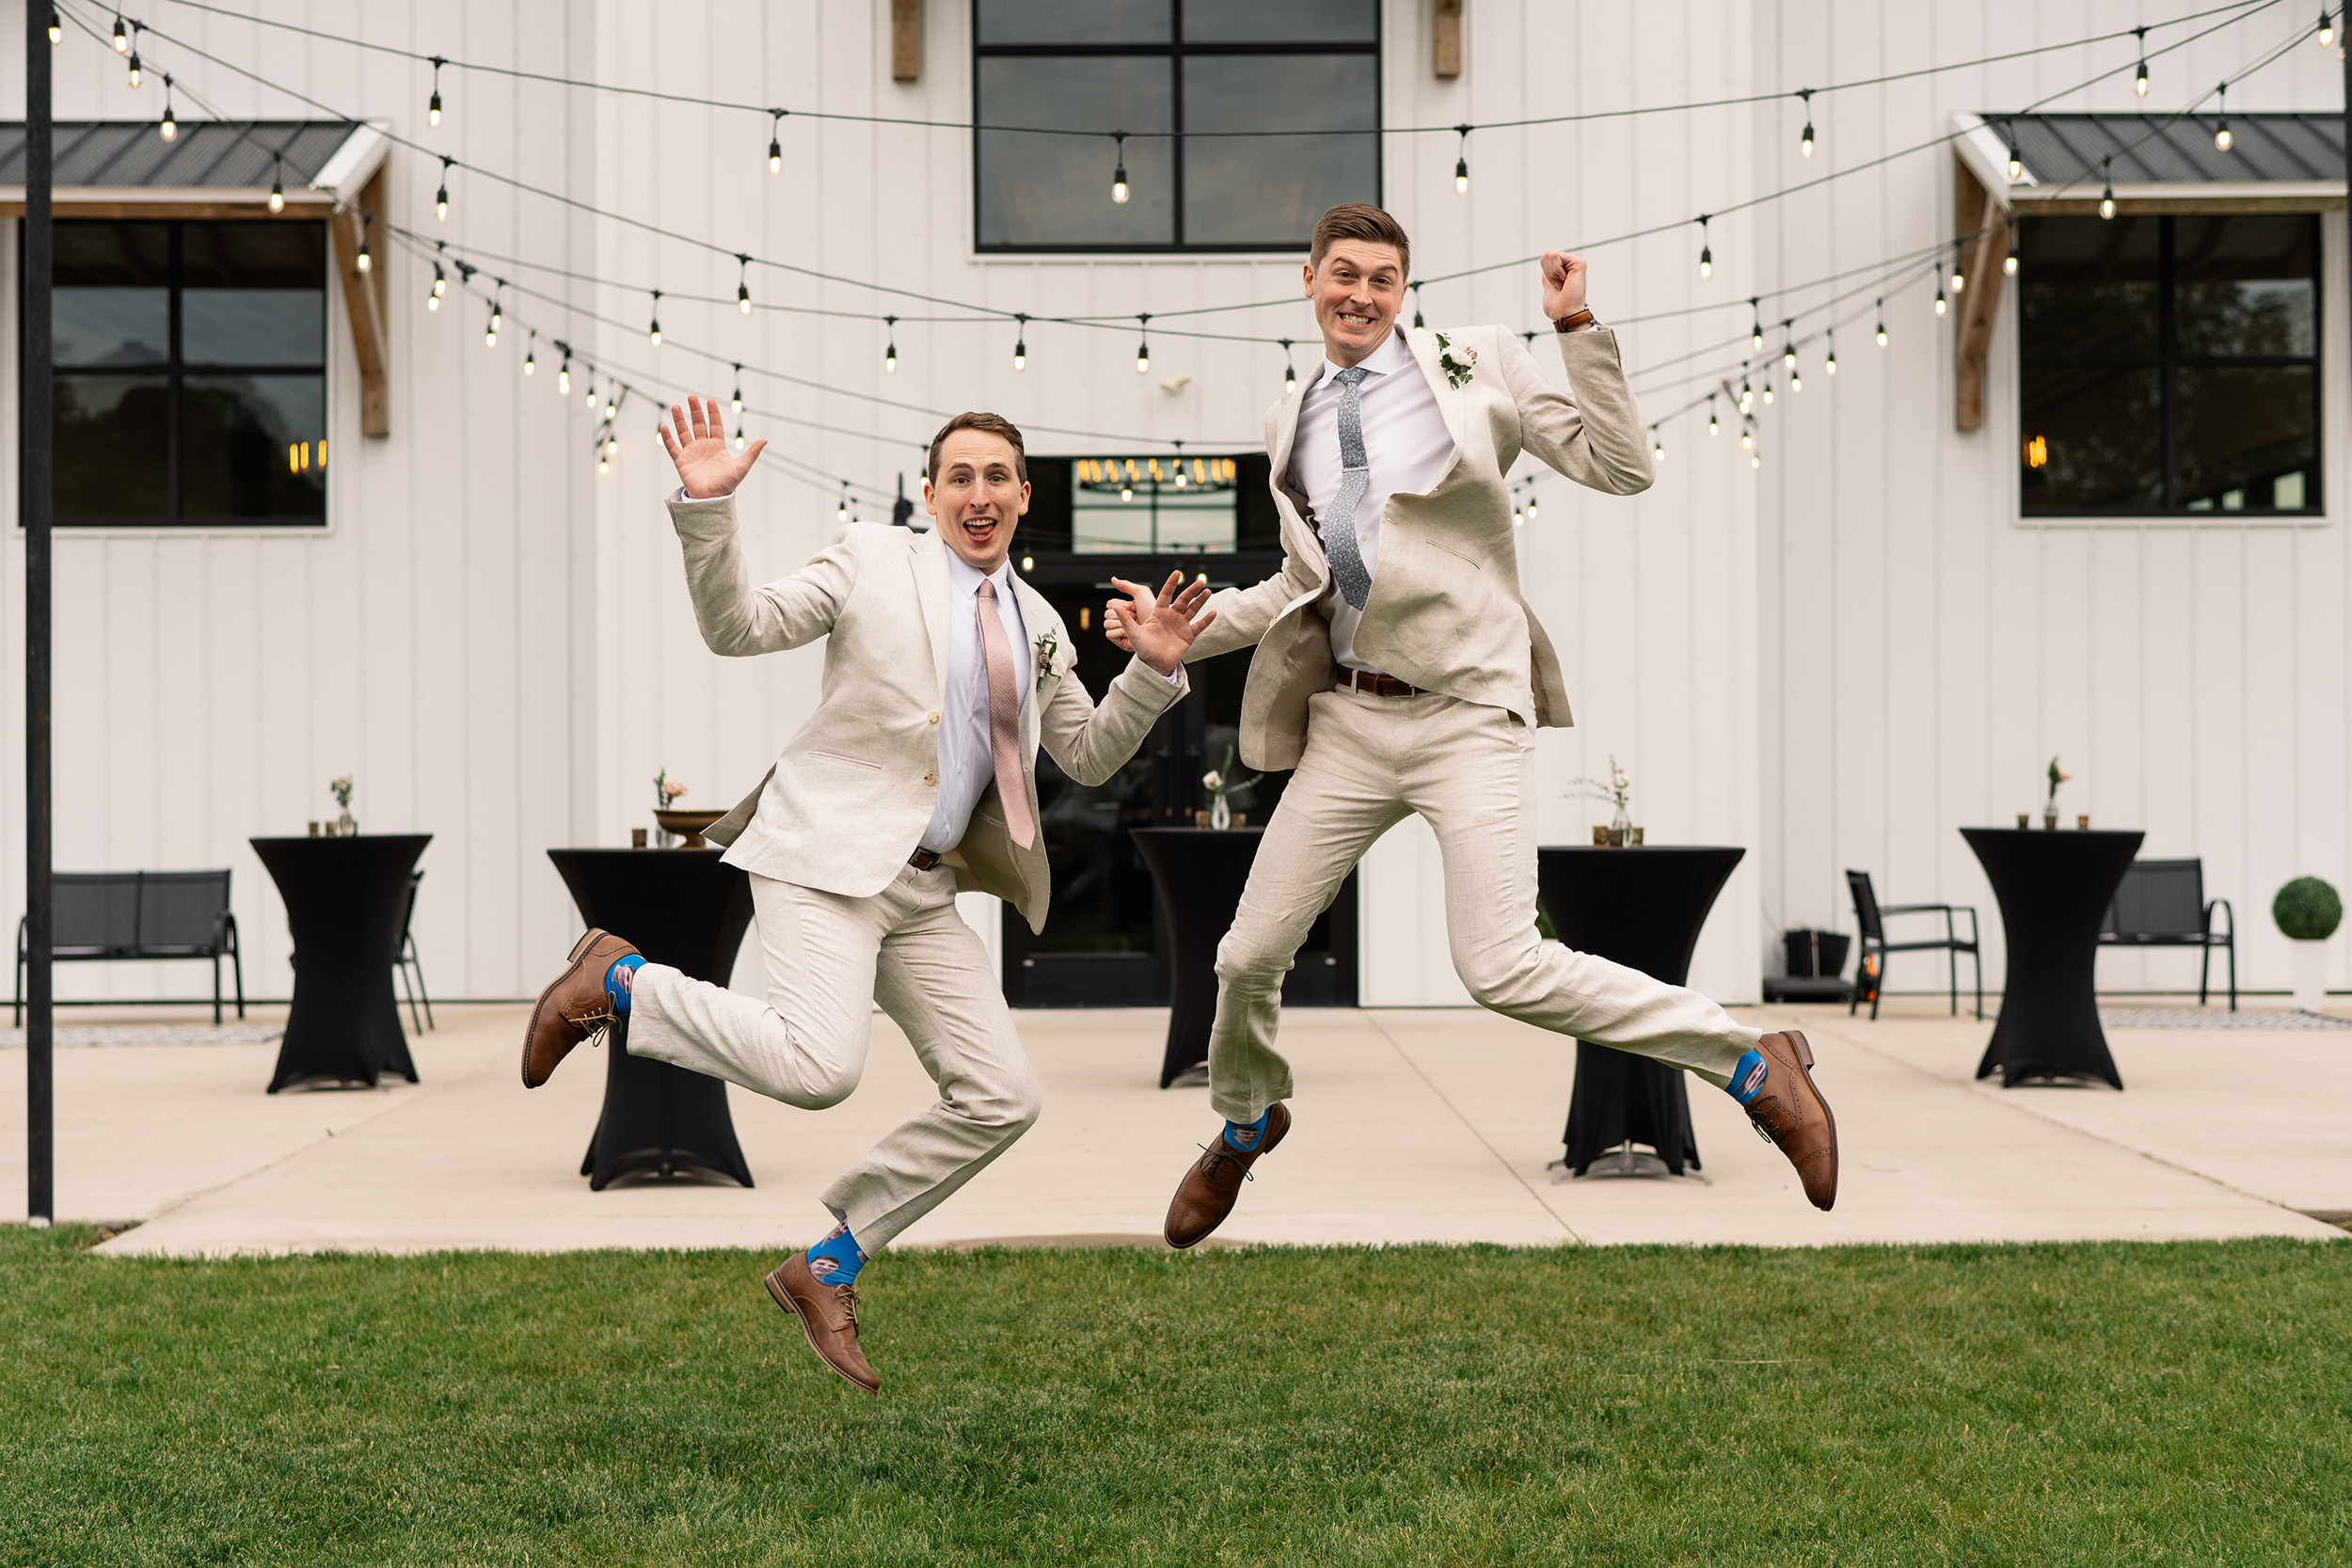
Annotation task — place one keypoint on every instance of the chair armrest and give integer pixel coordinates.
(1915, 908)
(1973, 939)
(2223, 905)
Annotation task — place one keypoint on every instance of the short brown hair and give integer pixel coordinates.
(1360, 220)
(995, 424)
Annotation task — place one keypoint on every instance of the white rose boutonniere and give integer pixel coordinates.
(1048, 647)
(1458, 370)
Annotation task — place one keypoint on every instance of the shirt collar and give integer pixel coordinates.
(968, 578)
(1389, 358)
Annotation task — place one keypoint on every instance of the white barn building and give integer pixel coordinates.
(1879, 633)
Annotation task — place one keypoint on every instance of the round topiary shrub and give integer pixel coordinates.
(2307, 909)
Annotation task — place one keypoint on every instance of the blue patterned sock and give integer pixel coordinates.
(837, 1259)
(618, 979)
(1747, 1078)
(1243, 1135)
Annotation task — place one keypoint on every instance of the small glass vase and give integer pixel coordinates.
(344, 826)
(2049, 817)
(1220, 816)
(1621, 827)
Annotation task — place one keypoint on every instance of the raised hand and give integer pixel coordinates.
(1563, 284)
(1157, 629)
(696, 440)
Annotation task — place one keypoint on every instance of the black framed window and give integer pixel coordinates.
(1235, 67)
(191, 372)
(2170, 364)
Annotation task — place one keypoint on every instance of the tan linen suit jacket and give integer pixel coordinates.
(843, 806)
(1446, 611)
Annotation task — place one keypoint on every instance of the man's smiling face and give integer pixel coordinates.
(978, 498)
(1356, 289)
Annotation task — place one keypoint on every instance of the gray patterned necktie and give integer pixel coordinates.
(1338, 525)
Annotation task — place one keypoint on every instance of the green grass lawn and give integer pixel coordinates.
(1959, 1404)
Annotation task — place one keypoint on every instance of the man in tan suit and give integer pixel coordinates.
(915, 778)
(1398, 669)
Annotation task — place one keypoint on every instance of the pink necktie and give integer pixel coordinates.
(1004, 719)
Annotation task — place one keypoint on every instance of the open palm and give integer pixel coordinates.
(697, 440)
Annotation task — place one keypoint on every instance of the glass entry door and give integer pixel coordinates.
(1103, 945)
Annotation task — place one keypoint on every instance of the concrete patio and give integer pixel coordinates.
(1413, 1125)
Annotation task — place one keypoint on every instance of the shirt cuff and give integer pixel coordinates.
(682, 495)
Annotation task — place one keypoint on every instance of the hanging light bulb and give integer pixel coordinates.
(592, 390)
(739, 442)
(1126, 495)
(1796, 381)
(1714, 425)
(56, 31)
(1518, 517)
(365, 260)
(440, 287)
(564, 378)
(1829, 366)
(1767, 391)
(168, 127)
(1787, 345)
(1530, 503)
(2016, 158)
(1881, 303)
(743, 283)
(1143, 349)
(1707, 254)
(2008, 263)
(1755, 460)
(890, 346)
(1290, 374)
(2139, 76)
(612, 443)
(1118, 173)
(735, 402)
(1755, 326)
(775, 141)
(1959, 279)
(1805, 143)
(2107, 194)
(611, 401)
(1461, 160)
(1747, 437)
(1656, 447)
(1020, 341)
(440, 197)
(123, 36)
(1942, 305)
(490, 333)
(841, 512)
(2221, 131)
(433, 104)
(1417, 305)
(2327, 29)
(1747, 395)
(137, 76)
(277, 187)
(653, 330)
(530, 355)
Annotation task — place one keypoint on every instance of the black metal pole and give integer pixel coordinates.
(33, 505)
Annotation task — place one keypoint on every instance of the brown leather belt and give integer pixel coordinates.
(1384, 685)
(923, 859)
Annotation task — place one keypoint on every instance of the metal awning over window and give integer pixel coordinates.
(220, 169)
(2275, 163)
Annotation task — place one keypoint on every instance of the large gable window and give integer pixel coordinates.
(191, 372)
(2170, 364)
(1226, 73)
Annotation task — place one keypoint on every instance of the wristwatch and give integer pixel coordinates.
(1577, 322)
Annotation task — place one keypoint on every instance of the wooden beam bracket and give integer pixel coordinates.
(1981, 214)
(1445, 40)
(365, 303)
(906, 40)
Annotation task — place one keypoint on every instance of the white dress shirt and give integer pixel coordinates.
(967, 761)
(1405, 444)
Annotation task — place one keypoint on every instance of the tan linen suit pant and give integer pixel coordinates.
(1468, 769)
(830, 959)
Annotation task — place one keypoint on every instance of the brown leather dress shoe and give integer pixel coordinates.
(1206, 1193)
(827, 1315)
(1791, 1113)
(574, 1005)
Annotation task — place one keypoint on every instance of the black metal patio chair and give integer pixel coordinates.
(1870, 969)
(2162, 904)
(404, 959)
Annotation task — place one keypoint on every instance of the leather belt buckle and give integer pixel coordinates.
(923, 859)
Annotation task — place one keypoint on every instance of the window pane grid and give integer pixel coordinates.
(223, 422)
(2118, 421)
(1031, 197)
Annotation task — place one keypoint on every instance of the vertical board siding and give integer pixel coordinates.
(1837, 659)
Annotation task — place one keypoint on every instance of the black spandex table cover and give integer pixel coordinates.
(2054, 887)
(1197, 874)
(687, 909)
(1642, 908)
(345, 901)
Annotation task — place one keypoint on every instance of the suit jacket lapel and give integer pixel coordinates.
(1424, 346)
(928, 556)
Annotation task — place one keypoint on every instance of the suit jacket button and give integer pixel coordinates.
(932, 716)
(931, 779)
